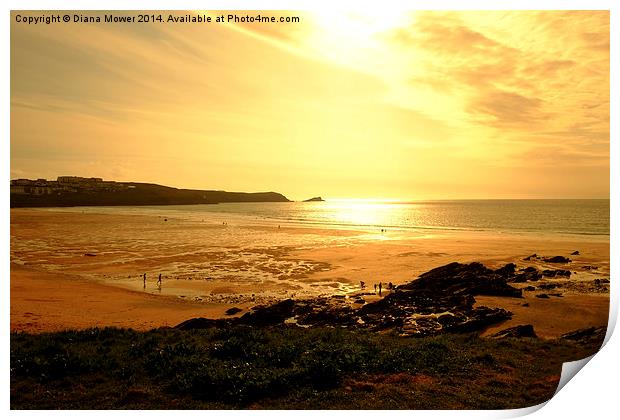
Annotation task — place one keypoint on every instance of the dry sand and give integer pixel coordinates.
(210, 268)
(43, 301)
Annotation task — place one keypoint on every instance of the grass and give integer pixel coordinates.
(281, 368)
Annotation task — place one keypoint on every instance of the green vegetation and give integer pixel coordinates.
(245, 367)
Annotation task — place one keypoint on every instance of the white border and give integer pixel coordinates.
(592, 394)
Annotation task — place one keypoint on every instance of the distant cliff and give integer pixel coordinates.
(313, 199)
(135, 194)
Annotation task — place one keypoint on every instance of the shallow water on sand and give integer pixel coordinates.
(207, 252)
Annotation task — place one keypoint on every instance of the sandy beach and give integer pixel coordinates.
(73, 270)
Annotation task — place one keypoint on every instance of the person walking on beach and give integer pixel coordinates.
(375, 287)
(362, 284)
(159, 282)
(144, 280)
(380, 288)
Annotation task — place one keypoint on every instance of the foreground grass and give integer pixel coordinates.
(281, 368)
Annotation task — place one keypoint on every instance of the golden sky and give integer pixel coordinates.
(410, 105)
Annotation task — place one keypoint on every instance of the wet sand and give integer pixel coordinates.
(210, 267)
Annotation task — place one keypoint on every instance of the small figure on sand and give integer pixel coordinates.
(144, 280)
(159, 282)
(390, 286)
(380, 284)
(375, 287)
(362, 285)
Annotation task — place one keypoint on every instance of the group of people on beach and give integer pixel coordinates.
(158, 282)
(379, 285)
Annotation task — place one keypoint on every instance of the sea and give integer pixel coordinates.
(566, 216)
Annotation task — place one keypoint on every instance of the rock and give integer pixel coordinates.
(556, 273)
(507, 270)
(526, 274)
(547, 286)
(543, 296)
(441, 300)
(478, 319)
(455, 278)
(201, 323)
(313, 199)
(520, 331)
(529, 288)
(269, 315)
(88, 254)
(557, 259)
(584, 335)
(233, 311)
(575, 253)
(342, 316)
(530, 257)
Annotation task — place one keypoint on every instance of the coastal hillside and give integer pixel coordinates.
(95, 192)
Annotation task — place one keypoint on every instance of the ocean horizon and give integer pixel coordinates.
(548, 216)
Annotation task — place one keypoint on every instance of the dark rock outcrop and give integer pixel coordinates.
(269, 315)
(586, 335)
(556, 273)
(465, 279)
(519, 331)
(557, 259)
(575, 253)
(202, 323)
(441, 300)
(526, 274)
(313, 199)
(233, 311)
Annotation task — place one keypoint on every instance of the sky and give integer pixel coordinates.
(382, 104)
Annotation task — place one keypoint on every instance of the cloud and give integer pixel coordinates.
(508, 109)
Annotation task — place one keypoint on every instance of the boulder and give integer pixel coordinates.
(520, 331)
(526, 274)
(201, 323)
(463, 279)
(586, 334)
(557, 259)
(269, 315)
(556, 273)
(575, 253)
(507, 270)
(233, 311)
(478, 319)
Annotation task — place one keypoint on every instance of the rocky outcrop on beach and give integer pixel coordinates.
(591, 335)
(557, 259)
(520, 331)
(439, 301)
(465, 279)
